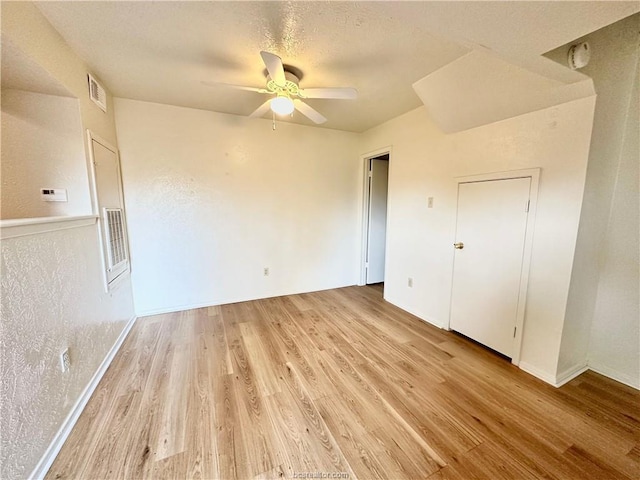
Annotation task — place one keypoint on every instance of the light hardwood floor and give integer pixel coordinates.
(338, 381)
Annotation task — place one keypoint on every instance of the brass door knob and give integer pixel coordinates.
(458, 246)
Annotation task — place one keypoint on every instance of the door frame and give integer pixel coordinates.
(534, 175)
(109, 284)
(364, 220)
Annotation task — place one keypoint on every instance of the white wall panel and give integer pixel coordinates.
(212, 199)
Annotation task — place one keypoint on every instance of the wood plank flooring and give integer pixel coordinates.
(338, 382)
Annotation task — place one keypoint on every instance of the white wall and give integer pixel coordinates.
(614, 349)
(424, 163)
(614, 57)
(52, 294)
(42, 147)
(212, 199)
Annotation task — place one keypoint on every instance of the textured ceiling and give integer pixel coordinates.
(161, 51)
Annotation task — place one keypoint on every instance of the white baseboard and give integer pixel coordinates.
(569, 374)
(575, 371)
(536, 372)
(61, 436)
(178, 308)
(553, 380)
(228, 301)
(617, 376)
(424, 318)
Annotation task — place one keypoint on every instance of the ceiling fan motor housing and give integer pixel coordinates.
(290, 88)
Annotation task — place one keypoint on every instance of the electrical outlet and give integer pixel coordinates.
(266, 271)
(65, 360)
(410, 282)
(430, 202)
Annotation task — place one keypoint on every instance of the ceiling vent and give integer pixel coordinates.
(97, 93)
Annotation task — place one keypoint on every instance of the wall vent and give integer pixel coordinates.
(116, 241)
(97, 93)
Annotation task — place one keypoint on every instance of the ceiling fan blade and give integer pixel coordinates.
(308, 112)
(341, 93)
(235, 87)
(261, 110)
(274, 67)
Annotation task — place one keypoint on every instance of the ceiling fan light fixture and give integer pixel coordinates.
(282, 105)
(285, 94)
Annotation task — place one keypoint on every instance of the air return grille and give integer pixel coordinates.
(97, 93)
(116, 246)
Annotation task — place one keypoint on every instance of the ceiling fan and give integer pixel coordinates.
(287, 96)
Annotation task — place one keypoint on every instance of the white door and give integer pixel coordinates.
(110, 206)
(107, 172)
(490, 236)
(377, 232)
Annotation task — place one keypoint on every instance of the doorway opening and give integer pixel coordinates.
(376, 183)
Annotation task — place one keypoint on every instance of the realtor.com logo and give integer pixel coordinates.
(320, 475)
